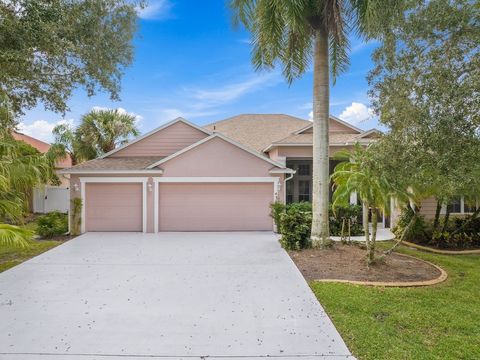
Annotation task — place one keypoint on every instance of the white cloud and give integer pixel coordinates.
(356, 113)
(155, 10)
(41, 129)
(207, 98)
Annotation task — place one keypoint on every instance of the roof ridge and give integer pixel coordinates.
(254, 114)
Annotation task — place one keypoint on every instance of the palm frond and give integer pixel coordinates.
(11, 235)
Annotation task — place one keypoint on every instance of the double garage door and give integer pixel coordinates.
(180, 207)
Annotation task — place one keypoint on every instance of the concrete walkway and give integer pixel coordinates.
(383, 234)
(165, 296)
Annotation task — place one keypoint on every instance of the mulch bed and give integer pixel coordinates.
(348, 262)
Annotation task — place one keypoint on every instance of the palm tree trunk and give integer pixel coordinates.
(371, 251)
(365, 226)
(321, 180)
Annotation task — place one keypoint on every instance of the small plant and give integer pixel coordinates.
(346, 218)
(52, 224)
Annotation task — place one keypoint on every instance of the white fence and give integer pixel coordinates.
(50, 198)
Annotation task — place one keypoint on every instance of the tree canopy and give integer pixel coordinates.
(426, 88)
(50, 47)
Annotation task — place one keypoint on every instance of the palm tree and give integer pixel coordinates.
(21, 168)
(358, 173)
(104, 130)
(68, 142)
(293, 32)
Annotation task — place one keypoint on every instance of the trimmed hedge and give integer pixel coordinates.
(294, 222)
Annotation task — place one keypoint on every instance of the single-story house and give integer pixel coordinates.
(220, 177)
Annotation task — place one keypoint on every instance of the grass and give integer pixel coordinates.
(11, 256)
(437, 322)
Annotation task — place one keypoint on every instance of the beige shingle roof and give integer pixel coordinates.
(257, 131)
(117, 163)
(340, 138)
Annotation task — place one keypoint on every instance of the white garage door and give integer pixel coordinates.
(113, 207)
(215, 206)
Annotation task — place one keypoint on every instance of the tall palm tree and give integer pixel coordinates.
(295, 32)
(104, 130)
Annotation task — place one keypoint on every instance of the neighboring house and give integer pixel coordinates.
(221, 177)
(48, 198)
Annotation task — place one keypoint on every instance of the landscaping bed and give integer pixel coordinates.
(347, 262)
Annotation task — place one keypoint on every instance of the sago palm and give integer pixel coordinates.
(294, 33)
(104, 130)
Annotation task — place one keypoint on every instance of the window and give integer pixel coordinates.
(289, 191)
(460, 206)
(468, 208)
(455, 206)
(303, 169)
(304, 190)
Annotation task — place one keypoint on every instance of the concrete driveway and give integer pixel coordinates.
(167, 295)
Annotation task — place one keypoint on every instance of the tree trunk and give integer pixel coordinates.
(436, 221)
(365, 226)
(445, 220)
(321, 177)
(371, 252)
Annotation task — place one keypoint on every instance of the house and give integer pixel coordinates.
(221, 177)
(49, 197)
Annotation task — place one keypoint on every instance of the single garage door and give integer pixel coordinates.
(215, 206)
(113, 207)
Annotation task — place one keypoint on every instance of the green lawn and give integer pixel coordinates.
(11, 256)
(436, 322)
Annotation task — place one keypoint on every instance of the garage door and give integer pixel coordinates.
(215, 207)
(113, 207)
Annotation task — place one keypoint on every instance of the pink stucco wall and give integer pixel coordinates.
(215, 207)
(164, 142)
(216, 157)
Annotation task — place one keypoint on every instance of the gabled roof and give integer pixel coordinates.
(372, 133)
(257, 131)
(334, 118)
(164, 126)
(114, 165)
(213, 136)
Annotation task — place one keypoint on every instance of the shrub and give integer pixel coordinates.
(295, 227)
(419, 231)
(294, 222)
(277, 208)
(352, 213)
(52, 224)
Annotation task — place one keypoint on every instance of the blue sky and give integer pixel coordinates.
(191, 62)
